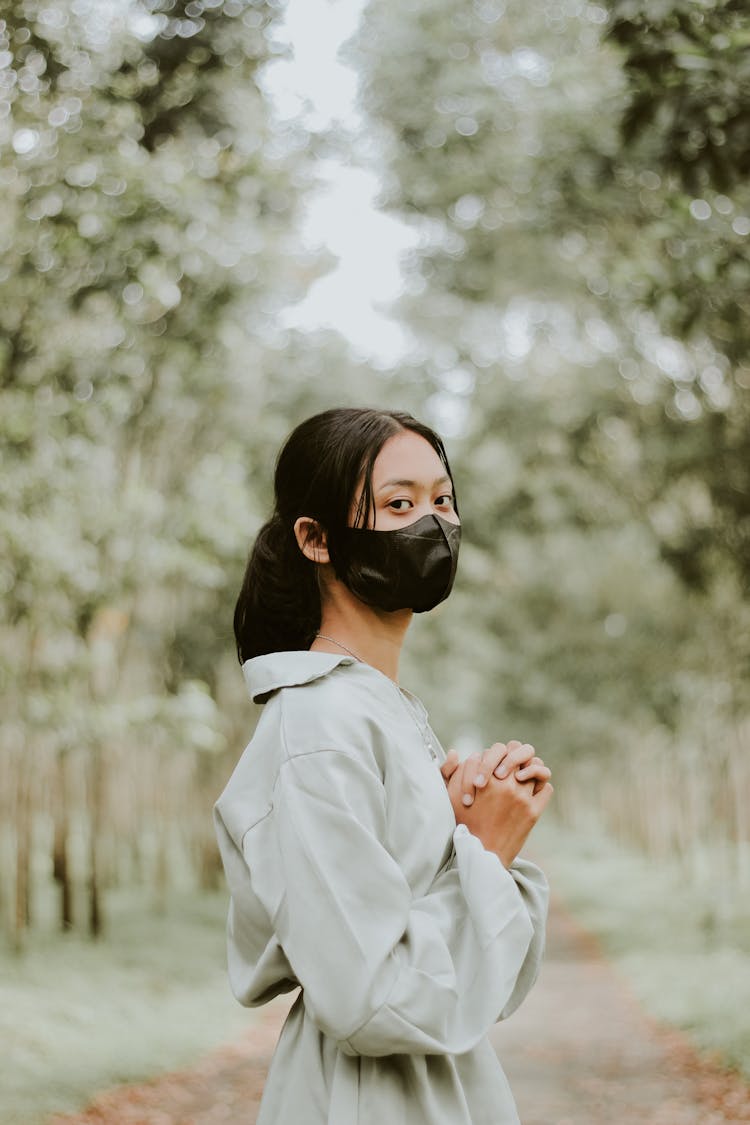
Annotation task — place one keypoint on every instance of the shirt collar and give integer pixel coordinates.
(266, 674)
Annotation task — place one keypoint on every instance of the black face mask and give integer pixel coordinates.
(410, 567)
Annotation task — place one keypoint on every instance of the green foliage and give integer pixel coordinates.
(688, 67)
(149, 204)
(583, 324)
(688, 119)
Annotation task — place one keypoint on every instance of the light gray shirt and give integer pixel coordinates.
(349, 878)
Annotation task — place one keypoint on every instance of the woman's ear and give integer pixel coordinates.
(311, 539)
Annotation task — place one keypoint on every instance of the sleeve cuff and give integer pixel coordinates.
(491, 893)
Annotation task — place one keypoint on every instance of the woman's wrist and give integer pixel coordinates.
(502, 853)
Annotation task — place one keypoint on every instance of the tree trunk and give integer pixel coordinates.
(739, 787)
(95, 810)
(22, 919)
(161, 869)
(60, 857)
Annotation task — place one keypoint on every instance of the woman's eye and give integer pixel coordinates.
(445, 501)
(394, 504)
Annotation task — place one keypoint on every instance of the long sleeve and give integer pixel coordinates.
(383, 972)
(256, 964)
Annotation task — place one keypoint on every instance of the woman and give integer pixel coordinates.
(364, 865)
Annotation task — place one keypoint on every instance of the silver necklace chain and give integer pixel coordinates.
(333, 641)
(425, 736)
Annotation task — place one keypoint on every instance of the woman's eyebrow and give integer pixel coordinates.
(412, 483)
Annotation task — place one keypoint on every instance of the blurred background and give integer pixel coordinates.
(526, 221)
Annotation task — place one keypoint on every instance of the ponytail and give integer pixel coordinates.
(278, 608)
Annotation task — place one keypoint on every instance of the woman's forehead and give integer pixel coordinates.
(407, 456)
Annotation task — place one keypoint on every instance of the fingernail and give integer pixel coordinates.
(480, 779)
(467, 799)
(501, 772)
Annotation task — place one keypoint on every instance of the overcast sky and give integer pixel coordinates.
(341, 215)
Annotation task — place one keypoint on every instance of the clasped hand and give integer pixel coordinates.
(499, 795)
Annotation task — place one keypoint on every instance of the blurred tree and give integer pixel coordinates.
(687, 67)
(686, 132)
(527, 156)
(479, 134)
(582, 322)
(148, 233)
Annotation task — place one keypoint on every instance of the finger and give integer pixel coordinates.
(533, 763)
(541, 799)
(491, 758)
(450, 765)
(472, 767)
(537, 780)
(511, 745)
(536, 769)
(499, 751)
(520, 756)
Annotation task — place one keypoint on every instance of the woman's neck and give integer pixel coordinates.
(372, 636)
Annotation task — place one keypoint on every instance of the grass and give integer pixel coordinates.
(77, 1017)
(681, 939)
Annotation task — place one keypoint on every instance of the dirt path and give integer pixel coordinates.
(579, 1051)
